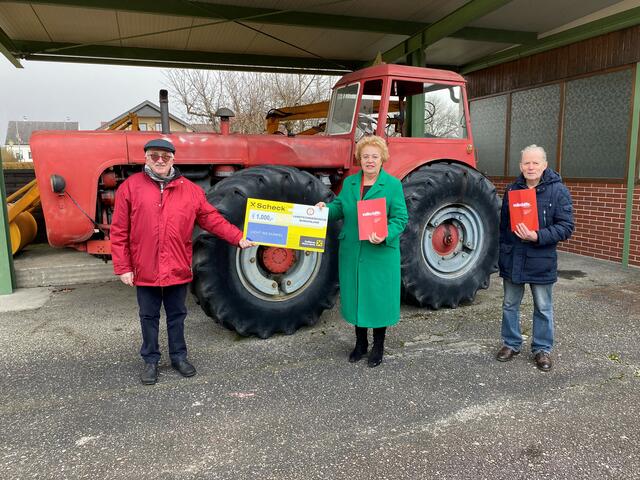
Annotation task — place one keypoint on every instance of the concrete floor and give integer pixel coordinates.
(292, 407)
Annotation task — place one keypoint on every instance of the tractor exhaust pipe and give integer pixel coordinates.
(164, 111)
(224, 114)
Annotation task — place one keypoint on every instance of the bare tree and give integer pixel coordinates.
(196, 91)
(250, 95)
(444, 114)
(443, 119)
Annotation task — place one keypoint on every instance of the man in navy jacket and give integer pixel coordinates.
(529, 256)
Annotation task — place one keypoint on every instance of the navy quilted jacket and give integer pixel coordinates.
(537, 262)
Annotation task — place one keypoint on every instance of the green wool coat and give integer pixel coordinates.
(370, 274)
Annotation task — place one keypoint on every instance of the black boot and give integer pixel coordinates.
(362, 344)
(149, 375)
(375, 357)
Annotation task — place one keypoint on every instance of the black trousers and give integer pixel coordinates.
(150, 299)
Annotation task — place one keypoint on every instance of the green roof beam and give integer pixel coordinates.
(444, 27)
(495, 35)
(7, 273)
(632, 172)
(618, 21)
(6, 47)
(174, 64)
(32, 50)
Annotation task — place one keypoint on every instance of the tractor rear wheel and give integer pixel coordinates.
(450, 246)
(264, 290)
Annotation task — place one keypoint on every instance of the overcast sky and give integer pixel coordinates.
(89, 94)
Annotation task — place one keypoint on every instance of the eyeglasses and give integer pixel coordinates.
(156, 156)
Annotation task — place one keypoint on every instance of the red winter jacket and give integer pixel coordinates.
(151, 230)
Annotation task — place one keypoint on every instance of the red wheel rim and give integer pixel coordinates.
(445, 239)
(278, 260)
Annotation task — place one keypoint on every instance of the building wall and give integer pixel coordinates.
(599, 204)
(22, 153)
(153, 124)
(599, 210)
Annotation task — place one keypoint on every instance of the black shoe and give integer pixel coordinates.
(543, 361)
(184, 367)
(505, 354)
(361, 347)
(357, 354)
(149, 375)
(377, 351)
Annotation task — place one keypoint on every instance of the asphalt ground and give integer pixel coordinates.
(292, 407)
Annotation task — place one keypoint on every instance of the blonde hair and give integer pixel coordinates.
(373, 141)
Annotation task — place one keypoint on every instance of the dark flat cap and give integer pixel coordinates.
(160, 144)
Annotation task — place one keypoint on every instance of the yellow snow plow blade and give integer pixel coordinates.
(22, 225)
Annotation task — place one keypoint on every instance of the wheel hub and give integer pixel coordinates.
(274, 273)
(445, 239)
(452, 240)
(278, 260)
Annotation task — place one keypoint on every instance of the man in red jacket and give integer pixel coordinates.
(153, 221)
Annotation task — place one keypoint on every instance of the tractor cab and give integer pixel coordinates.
(405, 105)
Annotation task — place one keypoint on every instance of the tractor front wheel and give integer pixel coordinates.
(264, 290)
(450, 246)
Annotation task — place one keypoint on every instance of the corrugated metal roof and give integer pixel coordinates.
(330, 36)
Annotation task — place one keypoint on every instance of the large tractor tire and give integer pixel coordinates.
(450, 246)
(264, 290)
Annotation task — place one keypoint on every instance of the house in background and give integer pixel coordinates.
(148, 116)
(19, 133)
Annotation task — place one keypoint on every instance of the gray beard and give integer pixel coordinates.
(159, 178)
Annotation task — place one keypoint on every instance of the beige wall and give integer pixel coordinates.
(151, 122)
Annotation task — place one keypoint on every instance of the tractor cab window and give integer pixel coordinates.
(342, 109)
(367, 119)
(428, 110)
(368, 115)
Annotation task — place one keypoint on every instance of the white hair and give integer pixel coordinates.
(534, 148)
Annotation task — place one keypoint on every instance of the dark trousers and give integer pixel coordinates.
(150, 299)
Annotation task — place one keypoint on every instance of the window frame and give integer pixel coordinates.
(559, 143)
(332, 108)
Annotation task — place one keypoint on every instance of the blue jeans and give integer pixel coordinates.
(542, 338)
(150, 299)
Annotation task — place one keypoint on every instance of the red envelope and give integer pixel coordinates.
(372, 217)
(523, 208)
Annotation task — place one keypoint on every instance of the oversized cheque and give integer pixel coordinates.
(288, 225)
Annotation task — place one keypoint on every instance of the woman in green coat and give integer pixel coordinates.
(370, 269)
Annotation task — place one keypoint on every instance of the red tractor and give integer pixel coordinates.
(449, 248)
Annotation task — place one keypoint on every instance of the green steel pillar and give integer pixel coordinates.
(415, 106)
(7, 276)
(631, 174)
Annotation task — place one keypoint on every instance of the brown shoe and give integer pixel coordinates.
(543, 361)
(505, 354)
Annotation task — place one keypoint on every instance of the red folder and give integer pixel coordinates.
(523, 208)
(372, 217)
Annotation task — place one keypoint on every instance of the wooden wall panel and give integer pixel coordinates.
(612, 50)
